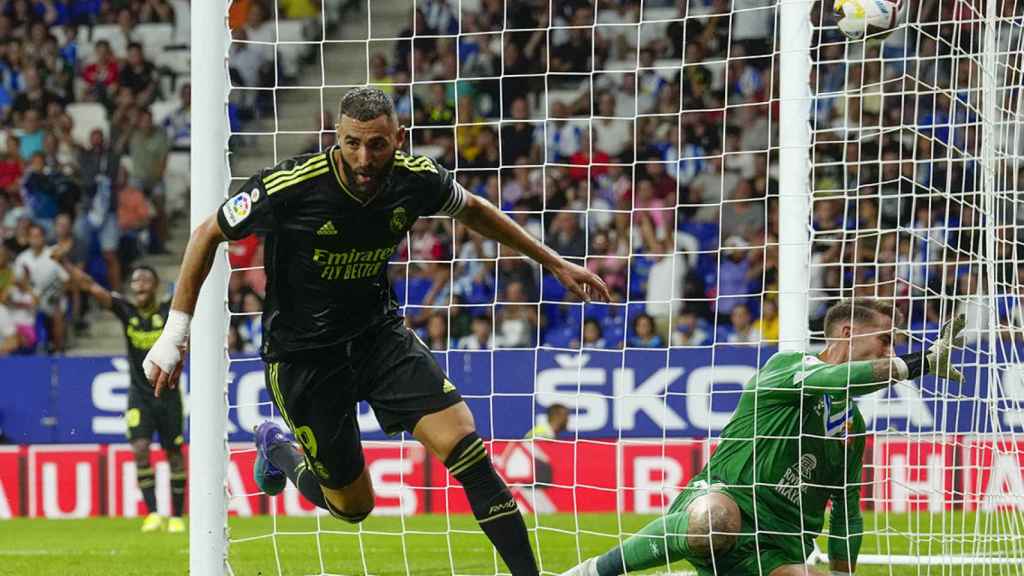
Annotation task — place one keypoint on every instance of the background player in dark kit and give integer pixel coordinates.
(143, 318)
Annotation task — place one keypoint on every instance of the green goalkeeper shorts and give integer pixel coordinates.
(754, 554)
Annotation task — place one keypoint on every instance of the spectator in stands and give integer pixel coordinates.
(516, 320)
(593, 336)
(645, 333)
(40, 192)
(102, 74)
(33, 96)
(665, 281)
(161, 11)
(148, 149)
(47, 280)
(250, 325)
(733, 276)
(17, 309)
(689, 330)
(178, 124)
(743, 214)
(11, 166)
(17, 242)
(480, 337)
(437, 332)
(768, 324)
(521, 141)
(566, 237)
(31, 138)
(140, 75)
(98, 170)
(612, 136)
(740, 329)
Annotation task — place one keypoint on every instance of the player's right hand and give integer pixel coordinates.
(950, 337)
(163, 364)
(164, 361)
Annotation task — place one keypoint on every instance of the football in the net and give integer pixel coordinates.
(875, 19)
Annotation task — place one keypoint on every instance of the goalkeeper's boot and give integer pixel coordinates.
(153, 523)
(268, 477)
(175, 525)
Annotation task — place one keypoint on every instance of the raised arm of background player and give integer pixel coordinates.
(83, 281)
(478, 214)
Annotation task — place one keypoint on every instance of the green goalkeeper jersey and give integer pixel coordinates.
(795, 441)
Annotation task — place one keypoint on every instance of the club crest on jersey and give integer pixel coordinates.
(399, 220)
(237, 208)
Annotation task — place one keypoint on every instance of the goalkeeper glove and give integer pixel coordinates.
(936, 360)
(163, 362)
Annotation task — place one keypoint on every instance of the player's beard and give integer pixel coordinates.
(377, 178)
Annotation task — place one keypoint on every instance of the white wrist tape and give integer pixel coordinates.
(177, 326)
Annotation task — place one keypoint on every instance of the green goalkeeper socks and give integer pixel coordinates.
(658, 544)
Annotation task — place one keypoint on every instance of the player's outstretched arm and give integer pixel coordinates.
(164, 361)
(866, 376)
(483, 217)
(83, 280)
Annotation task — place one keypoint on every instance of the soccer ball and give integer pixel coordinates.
(873, 18)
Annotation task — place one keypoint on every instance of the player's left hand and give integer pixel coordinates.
(950, 337)
(586, 285)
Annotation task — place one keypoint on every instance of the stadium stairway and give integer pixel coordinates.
(296, 110)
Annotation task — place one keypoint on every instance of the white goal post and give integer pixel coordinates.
(208, 405)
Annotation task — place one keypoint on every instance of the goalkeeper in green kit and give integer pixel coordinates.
(795, 442)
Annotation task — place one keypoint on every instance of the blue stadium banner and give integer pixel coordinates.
(634, 394)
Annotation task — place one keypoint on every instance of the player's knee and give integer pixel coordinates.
(350, 514)
(140, 450)
(714, 525)
(176, 460)
(796, 570)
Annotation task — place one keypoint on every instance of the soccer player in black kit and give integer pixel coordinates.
(143, 319)
(332, 335)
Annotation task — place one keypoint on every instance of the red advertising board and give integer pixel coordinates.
(993, 474)
(903, 474)
(914, 475)
(65, 481)
(11, 482)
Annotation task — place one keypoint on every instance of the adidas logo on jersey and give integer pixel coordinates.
(448, 387)
(327, 229)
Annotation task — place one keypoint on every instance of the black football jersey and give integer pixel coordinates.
(325, 250)
(141, 329)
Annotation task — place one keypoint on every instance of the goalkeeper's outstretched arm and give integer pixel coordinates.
(865, 376)
(164, 361)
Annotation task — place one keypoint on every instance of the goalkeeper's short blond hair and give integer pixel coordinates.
(858, 310)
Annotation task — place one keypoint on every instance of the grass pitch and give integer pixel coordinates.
(267, 546)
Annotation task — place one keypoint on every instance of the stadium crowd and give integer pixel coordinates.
(90, 121)
(644, 153)
(641, 151)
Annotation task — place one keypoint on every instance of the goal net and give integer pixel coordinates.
(642, 140)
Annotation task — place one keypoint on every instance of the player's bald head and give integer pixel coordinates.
(366, 103)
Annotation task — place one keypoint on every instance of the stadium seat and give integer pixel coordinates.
(173, 62)
(161, 109)
(86, 116)
(176, 181)
(154, 38)
(182, 21)
(112, 34)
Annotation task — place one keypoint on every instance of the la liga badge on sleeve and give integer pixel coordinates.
(237, 208)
